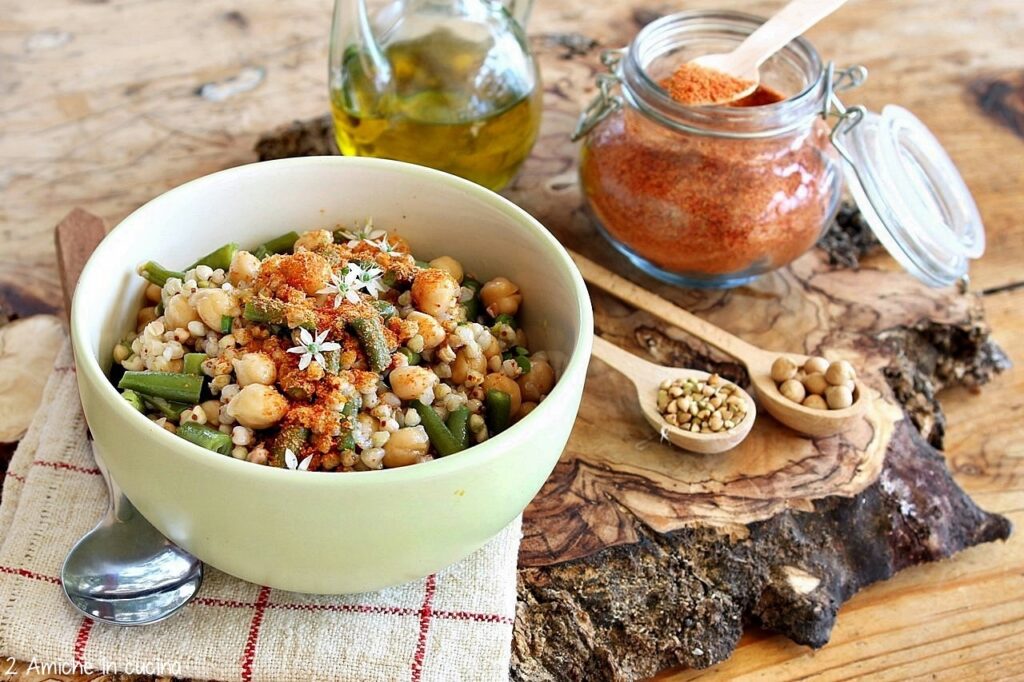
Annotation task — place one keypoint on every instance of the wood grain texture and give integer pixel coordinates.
(75, 238)
(107, 116)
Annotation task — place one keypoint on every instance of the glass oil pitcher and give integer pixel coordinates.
(449, 84)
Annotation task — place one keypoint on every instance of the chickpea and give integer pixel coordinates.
(496, 381)
(815, 383)
(178, 313)
(782, 369)
(153, 293)
(449, 265)
(525, 409)
(405, 447)
(410, 383)
(492, 349)
(245, 267)
(815, 402)
(255, 368)
(212, 304)
(144, 317)
(212, 410)
(839, 397)
(429, 328)
(538, 381)
(839, 373)
(258, 406)
(464, 364)
(435, 292)
(816, 365)
(500, 296)
(313, 240)
(794, 390)
(304, 270)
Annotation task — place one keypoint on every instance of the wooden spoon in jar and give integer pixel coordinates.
(741, 67)
(806, 420)
(647, 377)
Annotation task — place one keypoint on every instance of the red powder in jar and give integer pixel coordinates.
(702, 205)
(693, 84)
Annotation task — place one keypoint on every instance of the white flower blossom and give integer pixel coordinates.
(293, 463)
(342, 287)
(313, 348)
(383, 245)
(371, 281)
(367, 233)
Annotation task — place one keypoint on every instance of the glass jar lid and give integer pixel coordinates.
(910, 193)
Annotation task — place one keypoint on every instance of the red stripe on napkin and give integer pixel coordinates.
(425, 615)
(249, 653)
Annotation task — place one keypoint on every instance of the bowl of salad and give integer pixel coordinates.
(330, 374)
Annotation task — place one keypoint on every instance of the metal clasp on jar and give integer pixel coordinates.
(847, 118)
(606, 102)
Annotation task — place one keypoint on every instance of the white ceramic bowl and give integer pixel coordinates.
(331, 532)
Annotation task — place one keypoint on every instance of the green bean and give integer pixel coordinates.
(472, 306)
(412, 356)
(458, 425)
(371, 337)
(422, 264)
(272, 311)
(386, 308)
(289, 438)
(524, 363)
(192, 363)
(332, 361)
(297, 393)
(505, 318)
(181, 388)
(499, 411)
(206, 437)
(219, 259)
(225, 324)
(440, 437)
(346, 441)
(157, 274)
(277, 245)
(352, 407)
(134, 399)
(165, 407)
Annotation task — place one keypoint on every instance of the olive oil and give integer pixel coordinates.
(450, 104)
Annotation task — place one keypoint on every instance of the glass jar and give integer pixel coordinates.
(713, 195)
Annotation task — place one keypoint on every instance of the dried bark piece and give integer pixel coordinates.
(681, 598)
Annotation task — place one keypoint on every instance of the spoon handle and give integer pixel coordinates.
(624, 361)
(788, 23)
(625, 290)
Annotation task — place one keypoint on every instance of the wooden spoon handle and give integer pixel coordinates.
(790, 22)
(625, 290)
(623, 361)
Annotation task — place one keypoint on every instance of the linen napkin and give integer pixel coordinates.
(453, 625)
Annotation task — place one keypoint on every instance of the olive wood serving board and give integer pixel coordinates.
(637, 557)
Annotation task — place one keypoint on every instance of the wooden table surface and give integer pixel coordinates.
(101, 109)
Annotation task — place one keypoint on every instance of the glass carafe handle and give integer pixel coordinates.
(520, 10)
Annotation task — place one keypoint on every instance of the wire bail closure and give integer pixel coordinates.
(605, 103)
(848, 118)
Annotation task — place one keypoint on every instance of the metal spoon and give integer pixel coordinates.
(745, 61)
(124, 572)
(647, 377)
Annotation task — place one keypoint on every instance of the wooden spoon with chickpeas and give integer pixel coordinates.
(831, 399)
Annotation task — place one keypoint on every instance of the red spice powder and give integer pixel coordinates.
(694, 84)
(703, 206)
